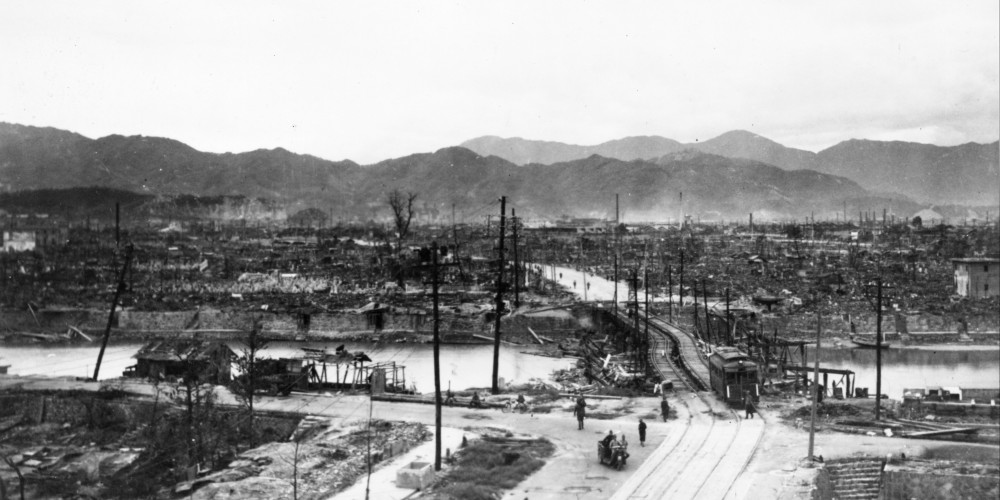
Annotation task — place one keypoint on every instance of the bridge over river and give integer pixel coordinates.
(709, 455)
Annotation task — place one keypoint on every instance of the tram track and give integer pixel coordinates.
(707, 457)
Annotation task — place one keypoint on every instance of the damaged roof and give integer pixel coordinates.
(181, 350)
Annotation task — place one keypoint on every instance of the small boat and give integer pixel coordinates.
(868, 344)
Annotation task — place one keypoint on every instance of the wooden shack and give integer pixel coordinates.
(209, 362)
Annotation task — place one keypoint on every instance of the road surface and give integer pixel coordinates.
(710, 453)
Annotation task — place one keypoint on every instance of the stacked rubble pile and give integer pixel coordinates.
(323, 461)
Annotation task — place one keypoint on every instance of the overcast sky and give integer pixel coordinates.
(369, 81)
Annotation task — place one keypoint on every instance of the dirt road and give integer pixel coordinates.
(572, 473)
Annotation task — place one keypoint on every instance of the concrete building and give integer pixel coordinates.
(18, 241)
(977, 277)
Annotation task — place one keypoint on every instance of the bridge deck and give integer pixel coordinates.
(693, 362)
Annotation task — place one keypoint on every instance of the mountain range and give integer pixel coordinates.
(965, 174)
(713, 185)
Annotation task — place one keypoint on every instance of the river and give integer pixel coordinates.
(946, 365)
(926, 366)
(463, 365)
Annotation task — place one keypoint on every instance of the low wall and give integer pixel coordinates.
(214, 324)
(920, 406)
(904, 484)
(922, 328)
(823, 489)
(922, 323)
(52, 321)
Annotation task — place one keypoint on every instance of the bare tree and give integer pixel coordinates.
(20, 479)
(244, 386)
(402, 213)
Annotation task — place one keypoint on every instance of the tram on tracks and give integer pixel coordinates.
(732, 374)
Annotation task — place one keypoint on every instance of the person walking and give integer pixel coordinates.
(748, 405)
(580, 410)
(642, 433)
(664, 407)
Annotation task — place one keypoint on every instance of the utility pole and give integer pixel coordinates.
(454, 236)
(615, 305)
(499, 301)
(670, 294)
(645, 333)
(695, 313)
(437, 359)
(708, 323)
(117, 224)
(878, 349)
(633, 295)
(680, 290)
(517, 286)
(815, 399)
(729, 331)
(680, 217)
(114, 304)
(617, 220)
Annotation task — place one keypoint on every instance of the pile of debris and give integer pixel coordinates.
(59, 469)
(320, 459)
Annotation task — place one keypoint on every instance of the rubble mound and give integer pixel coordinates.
(827, 411)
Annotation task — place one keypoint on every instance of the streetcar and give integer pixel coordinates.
(732, 373)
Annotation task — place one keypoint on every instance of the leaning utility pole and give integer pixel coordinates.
(499, 302)
(114, 304)
(437, 359)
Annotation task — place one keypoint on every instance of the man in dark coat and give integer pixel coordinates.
(610, 438)
(580, 410)
(642, 433)
(664, 408)
(748, 405)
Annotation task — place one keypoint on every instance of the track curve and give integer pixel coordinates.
(710, 451)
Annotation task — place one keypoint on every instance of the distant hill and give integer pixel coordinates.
(45, 158)
(967, 174)
(714, 186)
(523, 151)
(734, 144)
(743, 144)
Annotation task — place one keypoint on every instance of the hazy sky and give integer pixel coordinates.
(370, 81)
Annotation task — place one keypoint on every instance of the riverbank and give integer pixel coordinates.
(343, 415)
(775, 470)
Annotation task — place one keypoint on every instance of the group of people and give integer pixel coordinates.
(476, 402)
(615, 440)
(580, 411)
